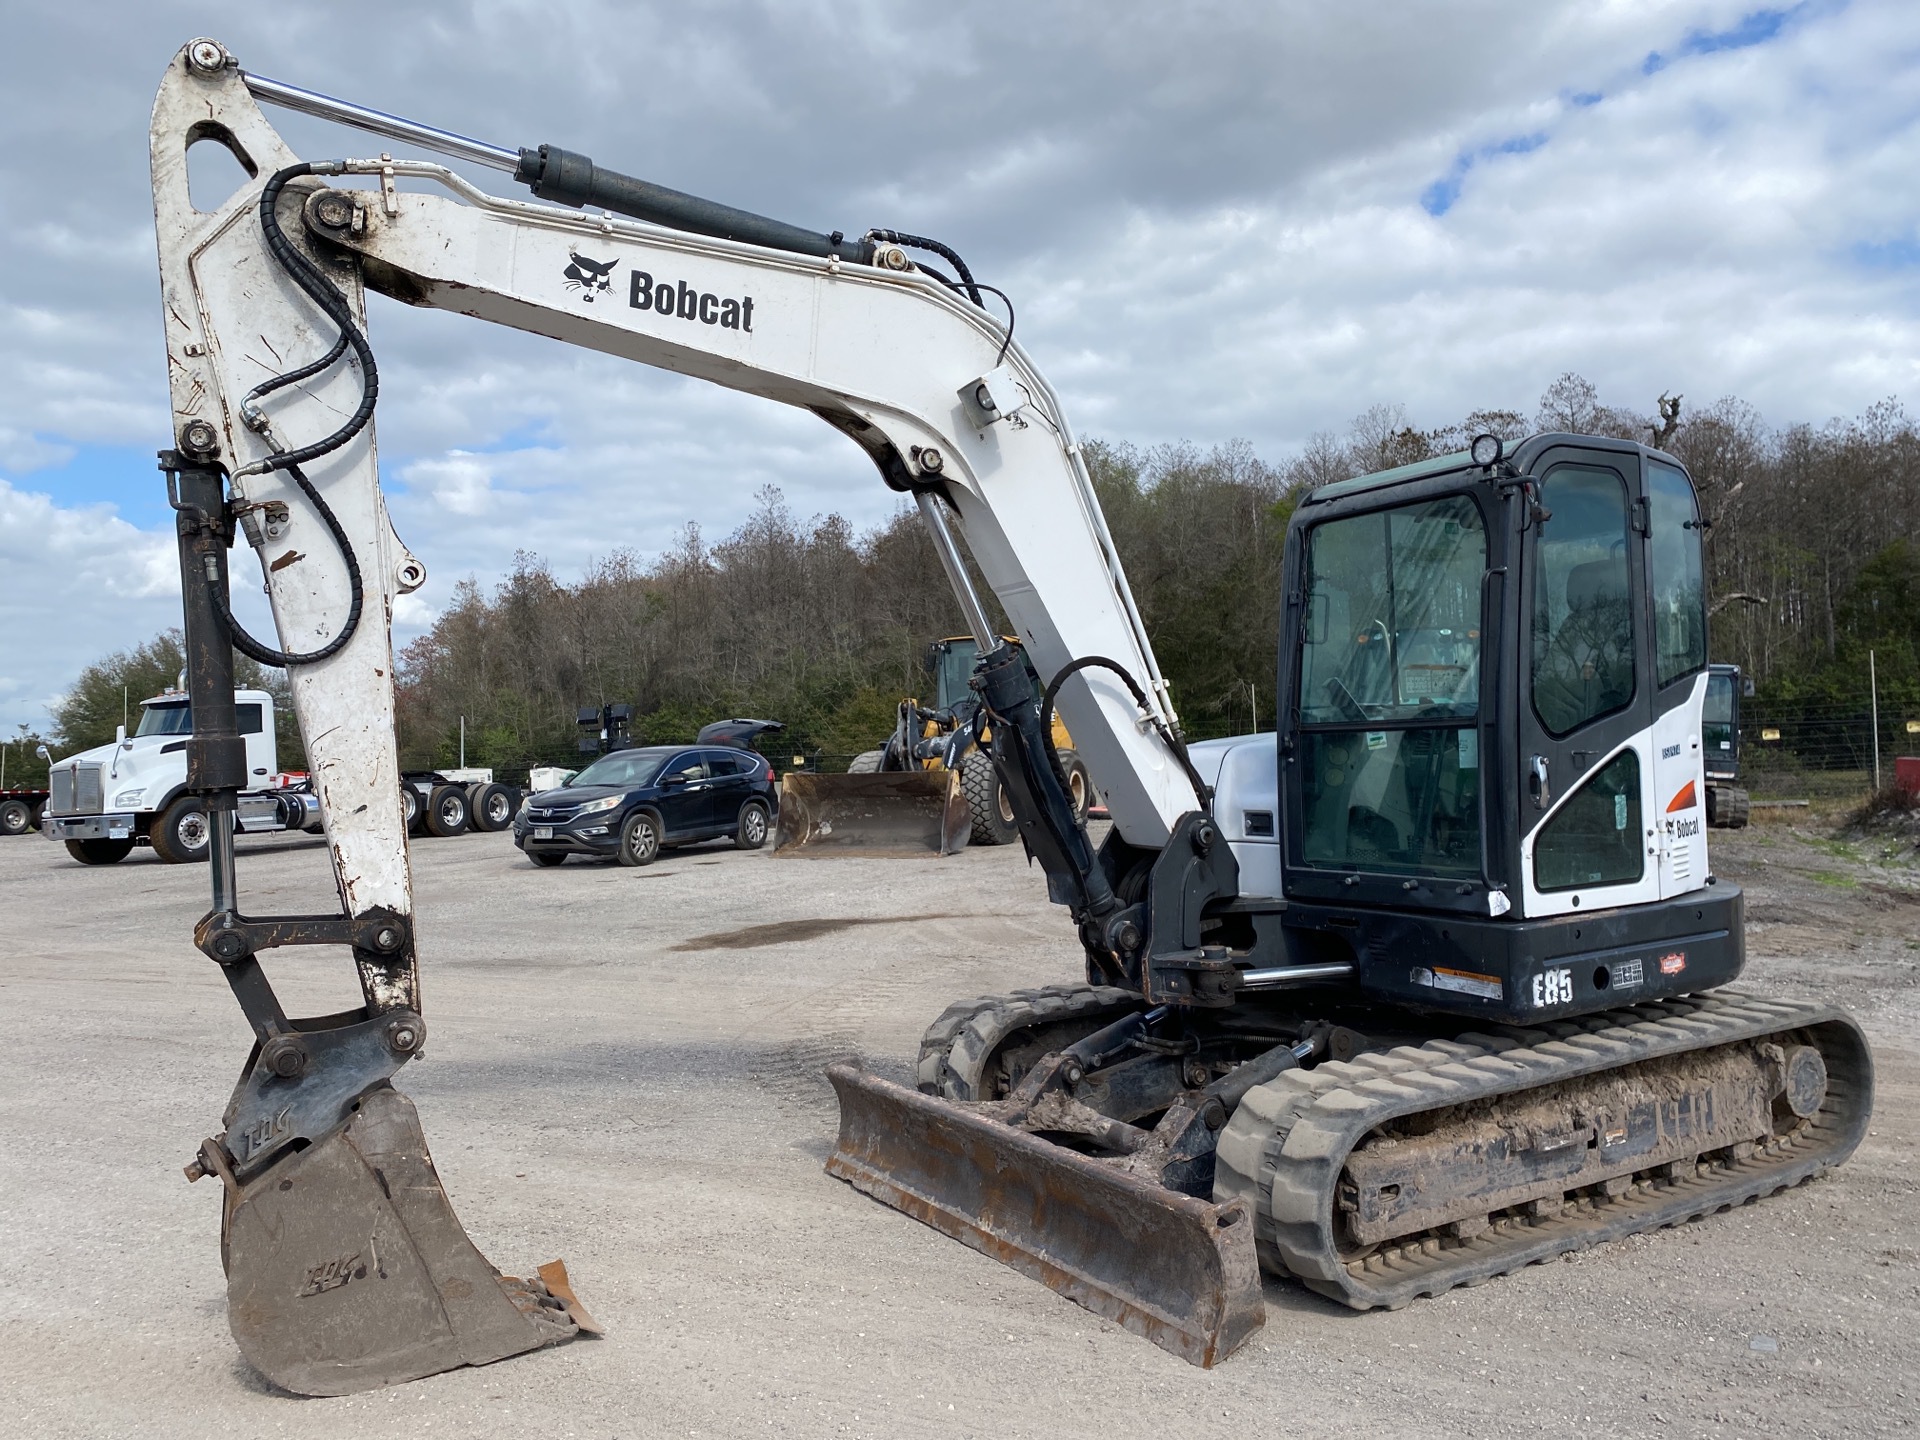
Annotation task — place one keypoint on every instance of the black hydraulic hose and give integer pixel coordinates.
(945, 252)
(1173, 741)
(323, 293)
(266, 654)
(327, 296)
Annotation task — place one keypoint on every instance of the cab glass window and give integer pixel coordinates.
(1393, 623)
(1594, 839)
(1582, 621)
(1390, 691)
(247, 719)
(1679, 591)
(166, 720)
(1716, 718)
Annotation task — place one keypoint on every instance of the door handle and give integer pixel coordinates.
(1537, 786)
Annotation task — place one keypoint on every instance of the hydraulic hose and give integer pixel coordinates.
(333, 304)
(1173, 741)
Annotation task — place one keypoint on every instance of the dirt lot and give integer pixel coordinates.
(624, 1069)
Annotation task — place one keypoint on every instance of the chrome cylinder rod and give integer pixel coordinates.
(1293, 975)
(378, 122)
(956, 569)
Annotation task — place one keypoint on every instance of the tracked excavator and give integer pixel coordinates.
(1426, 986)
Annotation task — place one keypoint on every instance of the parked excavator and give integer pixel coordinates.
(1423, 988)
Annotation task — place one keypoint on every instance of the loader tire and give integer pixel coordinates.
(15, 818)
(987, 803)
(181, 833)
(1079, 785)
(979, 1049)
(867, 762)
(99, 852)
(448, 811)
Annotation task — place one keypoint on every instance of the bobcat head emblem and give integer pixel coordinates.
(588, 276)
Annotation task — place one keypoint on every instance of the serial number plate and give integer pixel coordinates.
(543, 832)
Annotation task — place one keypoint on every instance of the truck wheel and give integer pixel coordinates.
(640, 839)
(15, 818)
(410, 807)
(751, 832)
(99, 852)
(182, 833)
(867, 762)
(493, 807)
(987, 803)
(447, 811)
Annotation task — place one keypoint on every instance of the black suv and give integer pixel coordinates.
(630, 804)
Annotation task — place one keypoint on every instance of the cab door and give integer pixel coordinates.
(1586, 787)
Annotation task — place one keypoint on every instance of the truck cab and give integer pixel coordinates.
(104, 801)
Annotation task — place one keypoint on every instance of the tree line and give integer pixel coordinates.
(1813, 556)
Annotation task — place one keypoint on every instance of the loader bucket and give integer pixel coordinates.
(1180, 1271)
(347, 1269)
(904, 812)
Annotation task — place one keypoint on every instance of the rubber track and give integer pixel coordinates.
(956, 1048)
(1287, 1143)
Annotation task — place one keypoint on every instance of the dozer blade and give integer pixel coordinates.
(1177, 1270)
(906, 812)
(347, 1269)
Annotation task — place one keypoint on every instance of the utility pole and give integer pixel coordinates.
(463, 742)
(123, 707)
(1873, 689)
(1253, 698)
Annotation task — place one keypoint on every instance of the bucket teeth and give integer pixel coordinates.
(347, 1268)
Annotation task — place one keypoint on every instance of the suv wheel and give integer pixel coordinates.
(182, 833)
(751, 832)
(640, 839)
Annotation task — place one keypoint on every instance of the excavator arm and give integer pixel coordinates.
(273, 389)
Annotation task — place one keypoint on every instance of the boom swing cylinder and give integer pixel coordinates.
(1138, 1142)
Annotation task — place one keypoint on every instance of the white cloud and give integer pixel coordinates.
(1216, 221)
(73, 580)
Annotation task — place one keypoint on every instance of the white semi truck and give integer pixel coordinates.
(104, 801)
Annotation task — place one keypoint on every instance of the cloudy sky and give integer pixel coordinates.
(1218, 220)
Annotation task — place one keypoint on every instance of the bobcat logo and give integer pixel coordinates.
(588, 276)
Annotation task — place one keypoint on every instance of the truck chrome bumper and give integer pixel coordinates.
(87, 827)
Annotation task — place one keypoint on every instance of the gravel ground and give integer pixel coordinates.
(624, 1069)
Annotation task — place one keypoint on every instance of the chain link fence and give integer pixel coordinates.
(1819, 750)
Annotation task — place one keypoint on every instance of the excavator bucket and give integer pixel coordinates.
(905, 812)
(347, 1268)
(1179, 1271)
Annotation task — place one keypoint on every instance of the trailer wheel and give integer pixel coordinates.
(99, 852)
(493, 807)
(447, 811)
(15, 818)
(987, 803)
(182, 833)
